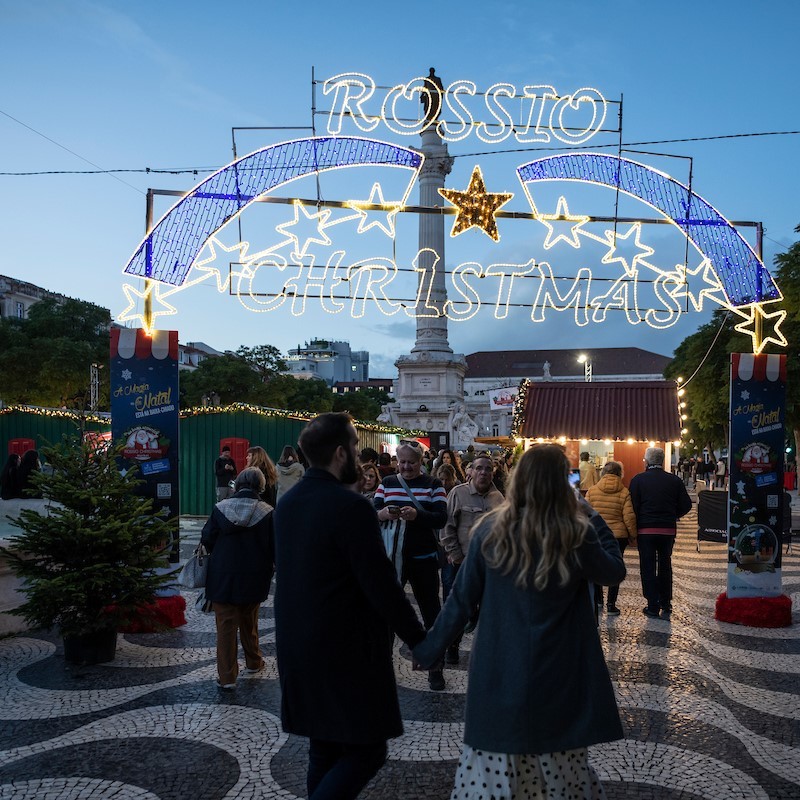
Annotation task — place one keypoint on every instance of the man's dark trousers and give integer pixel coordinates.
(655, 565)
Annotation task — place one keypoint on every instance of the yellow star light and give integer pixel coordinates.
(755, 312)
(375, 199)
(476, 207)
(134, 295)
(712, 287)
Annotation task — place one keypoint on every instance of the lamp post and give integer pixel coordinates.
(587, 367)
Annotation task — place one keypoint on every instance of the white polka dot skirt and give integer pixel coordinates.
(551, 776)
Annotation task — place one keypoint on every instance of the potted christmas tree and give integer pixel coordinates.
(90, 561)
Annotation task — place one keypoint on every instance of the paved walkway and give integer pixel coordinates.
(710, 710)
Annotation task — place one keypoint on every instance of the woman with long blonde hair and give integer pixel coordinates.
(539, 691)
(257, 457)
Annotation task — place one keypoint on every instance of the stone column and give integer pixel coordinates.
(432, 330)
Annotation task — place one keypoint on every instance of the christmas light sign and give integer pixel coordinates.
(344, 256)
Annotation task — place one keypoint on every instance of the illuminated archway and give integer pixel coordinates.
(742, 273)
(167, 253)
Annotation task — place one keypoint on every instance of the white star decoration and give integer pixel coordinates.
(740, 487)
(126, 375)
(320, 217)
(134, 295)
(562, 214)
(612, 238)
(745, 394)
(375, 198)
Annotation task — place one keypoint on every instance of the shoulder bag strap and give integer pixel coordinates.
(414, 500)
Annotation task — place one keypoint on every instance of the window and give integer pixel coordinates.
(20, 310)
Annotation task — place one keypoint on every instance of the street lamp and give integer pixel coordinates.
(587, 367)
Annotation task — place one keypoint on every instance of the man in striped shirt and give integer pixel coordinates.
(423, 516)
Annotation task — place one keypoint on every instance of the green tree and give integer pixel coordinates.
(228, 376)
(88, 562)
(46, 359)
(364, 404)
(265, 359)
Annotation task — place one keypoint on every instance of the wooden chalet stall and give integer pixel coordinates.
(612, 421)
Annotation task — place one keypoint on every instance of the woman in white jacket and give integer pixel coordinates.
(289, 470)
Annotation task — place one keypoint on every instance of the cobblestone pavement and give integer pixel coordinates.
(710, 710)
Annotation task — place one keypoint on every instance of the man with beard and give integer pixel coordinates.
(337, 602)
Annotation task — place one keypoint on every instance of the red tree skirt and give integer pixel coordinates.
(164, 611)
(756, 612)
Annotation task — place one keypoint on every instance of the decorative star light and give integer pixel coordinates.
(376, 199)
(476, 207)
(207, 269)
(754, 313)
(612, 238)
(320, 217)
(745, 395)
(134, 295)
(562, 215)
(713, 288)
(126, 374)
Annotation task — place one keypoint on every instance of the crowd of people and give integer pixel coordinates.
(516, 555)
(16, 478)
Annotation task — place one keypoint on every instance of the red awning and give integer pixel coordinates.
(639, 410)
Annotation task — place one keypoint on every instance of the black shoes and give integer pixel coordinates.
(650, 612)
(612, 611)
(436, 680)
(452, 655)
(666, 611)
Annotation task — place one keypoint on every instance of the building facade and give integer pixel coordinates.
(331, 361)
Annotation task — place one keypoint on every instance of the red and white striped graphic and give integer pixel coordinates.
(137, 343)
(748, 366)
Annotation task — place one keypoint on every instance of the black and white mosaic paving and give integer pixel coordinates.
(710, 710)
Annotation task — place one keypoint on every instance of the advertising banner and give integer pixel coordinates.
(144, 409)
(756, 505)
(502, 399)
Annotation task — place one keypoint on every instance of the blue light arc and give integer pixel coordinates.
(742, 273)
(167, 253)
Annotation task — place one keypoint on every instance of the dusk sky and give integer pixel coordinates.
(123, 87)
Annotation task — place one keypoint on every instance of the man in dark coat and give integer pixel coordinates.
(659, 500)
(337, 602)
(224, 473)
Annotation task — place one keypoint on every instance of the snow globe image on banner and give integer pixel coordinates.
(756, 496)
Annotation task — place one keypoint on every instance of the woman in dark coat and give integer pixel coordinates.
(238, 535)
(28, 465)
(9, 478)
(539, 691)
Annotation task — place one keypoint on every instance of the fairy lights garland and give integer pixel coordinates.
(58, 413)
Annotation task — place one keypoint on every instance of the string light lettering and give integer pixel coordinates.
(401, 110)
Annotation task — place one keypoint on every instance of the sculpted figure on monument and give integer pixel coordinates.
(462, 425)
(432, 100)
(386, 415)
(546, 369)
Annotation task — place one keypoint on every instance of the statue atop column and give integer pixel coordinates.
(432, 99)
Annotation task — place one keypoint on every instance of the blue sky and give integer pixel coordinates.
(160, 85)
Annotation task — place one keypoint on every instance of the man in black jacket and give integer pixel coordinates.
(659, 500)
(224, 473)
(337, 602)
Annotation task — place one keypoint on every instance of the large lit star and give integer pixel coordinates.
(562, 215)
(320, 217)
(476, 207)
(613, 238)
(208, 269)
(375, 199)
(752, 315)
(153, 290)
